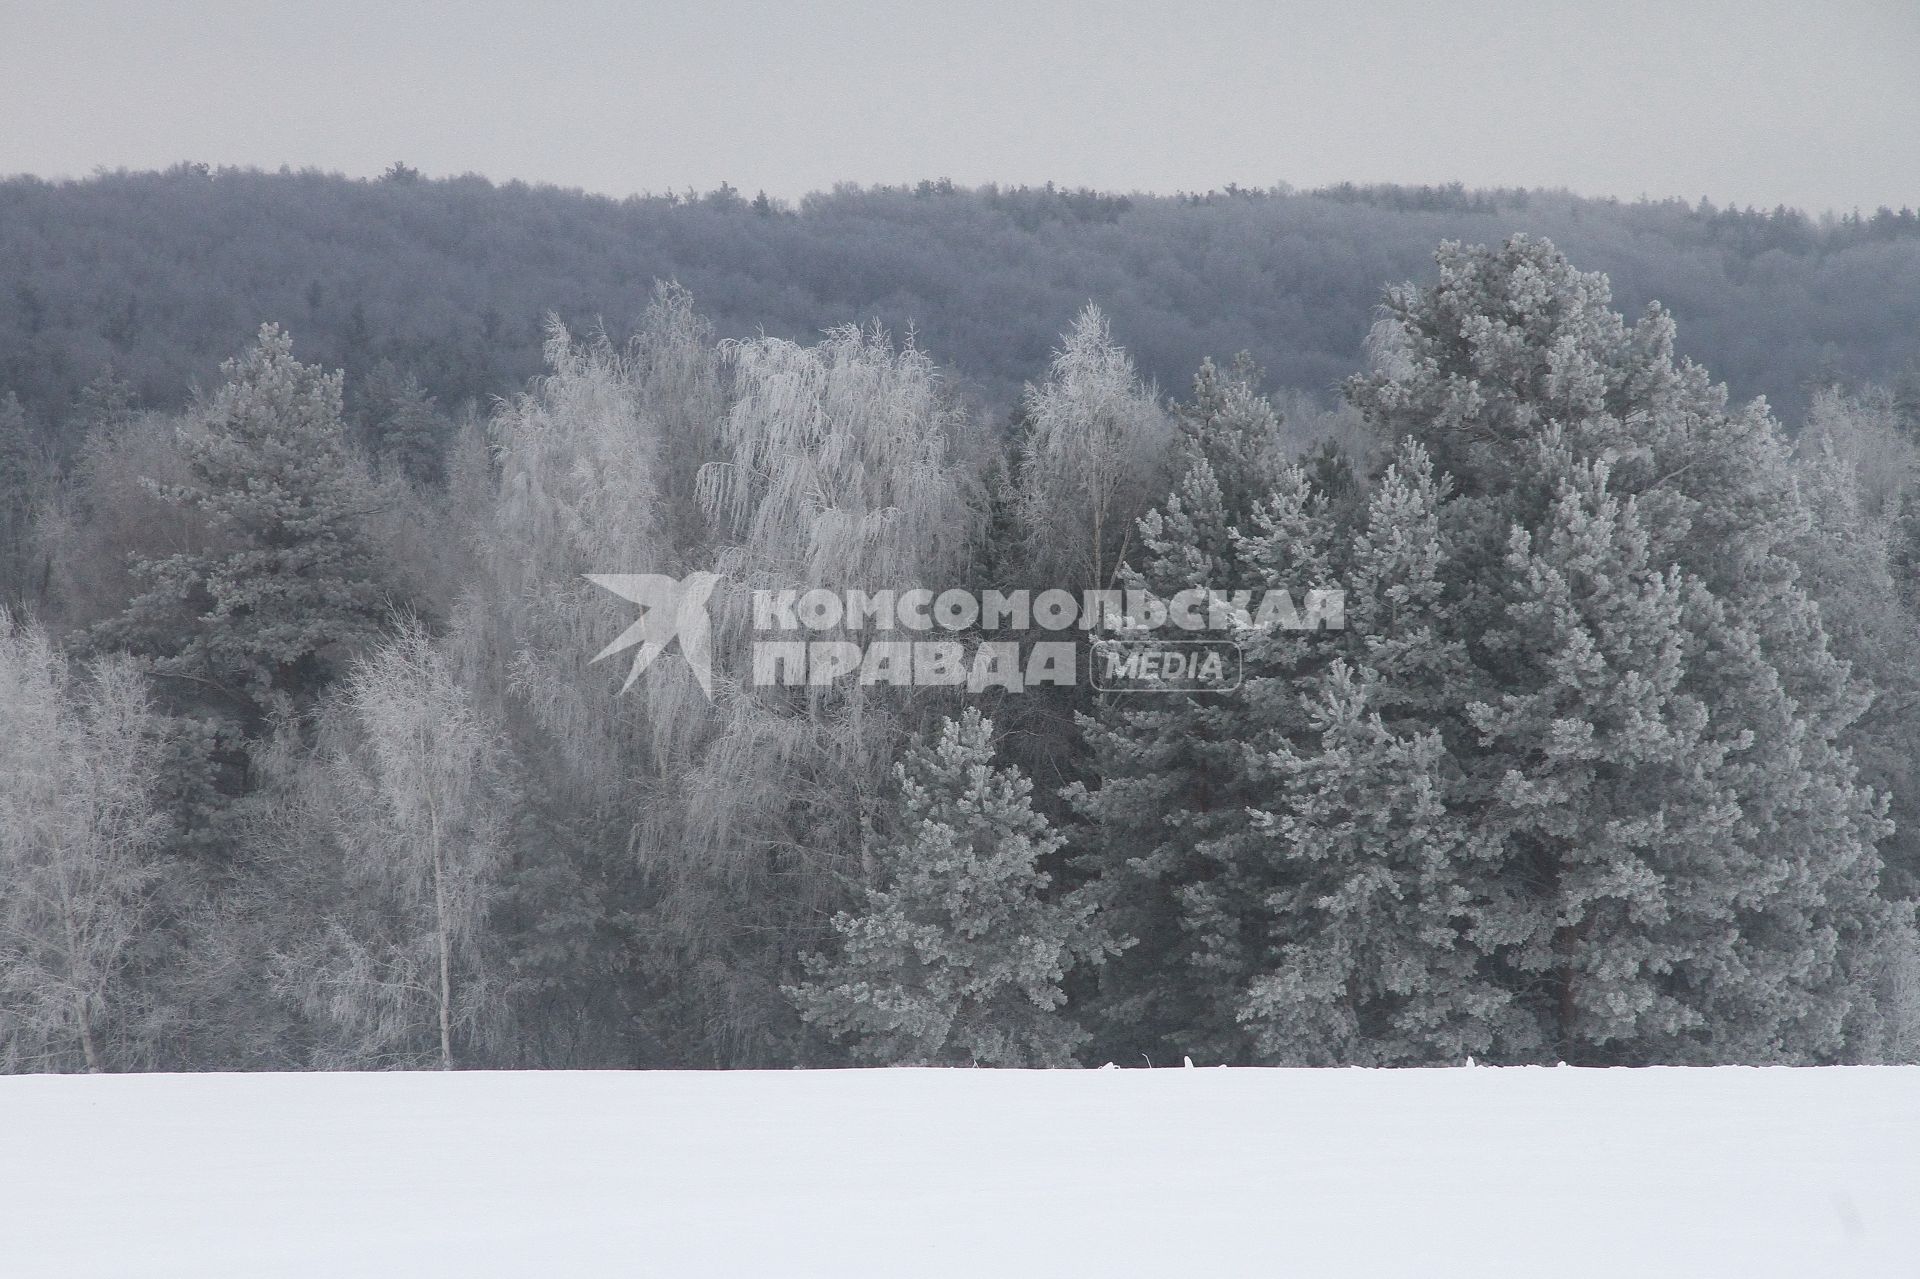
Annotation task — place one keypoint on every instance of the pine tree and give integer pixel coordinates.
(1572, 785)
(956, 956)
(1688, 864)
(1364, 960)
(270, 612)
(1338, 919)
(1611, 794)
(1234, 429)
(1168, 765)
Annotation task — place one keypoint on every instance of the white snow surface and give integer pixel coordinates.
(1482, 1172)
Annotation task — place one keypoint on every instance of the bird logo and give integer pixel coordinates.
(670, 607)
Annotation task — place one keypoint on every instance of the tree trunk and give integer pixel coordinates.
(87, 1046)
(1568, 940)
(446, 949)
(82, 1001)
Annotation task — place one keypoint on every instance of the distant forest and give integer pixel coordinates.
(158, 277)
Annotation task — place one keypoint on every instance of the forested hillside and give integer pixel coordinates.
(160, 276)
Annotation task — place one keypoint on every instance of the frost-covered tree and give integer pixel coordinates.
(836, 471)
(709, 831)
(1574, 783)
(681, 372)
(270, 612)
(1614, 796)
(1687, 863)
(403, 428)
(1092, 459)
(1860, 475)
(106, 403)
(1235, 430)
(1170, 767)
(411, 793)
(1904, 398)
(24, 473)
(1285, 856)
(578, 492)
(1167, 768)
(78, 825)
(1336, 914)
(109, 513)
(835, 468)
(956, 956)
(574, 481)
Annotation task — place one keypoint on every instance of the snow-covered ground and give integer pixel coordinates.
(983, 1173)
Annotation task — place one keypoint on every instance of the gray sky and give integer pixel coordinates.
(1815, 104)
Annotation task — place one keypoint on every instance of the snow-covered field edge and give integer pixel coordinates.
(1484, 1172)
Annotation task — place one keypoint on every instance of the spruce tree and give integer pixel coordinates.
(956, 956)
(1166, 765)
(104, 404)
(1906, 397)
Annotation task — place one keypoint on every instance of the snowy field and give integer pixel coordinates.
(983, 1173)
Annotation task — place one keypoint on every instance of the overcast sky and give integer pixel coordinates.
(1814, 104)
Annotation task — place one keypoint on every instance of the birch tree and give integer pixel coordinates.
(77, 821)
(1859, 474)
(583, 478)
(411, 787)
(1093, 461)
(835, 472)
(712, 830)
(837, 468)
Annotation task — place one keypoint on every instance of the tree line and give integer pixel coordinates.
(160, 276)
